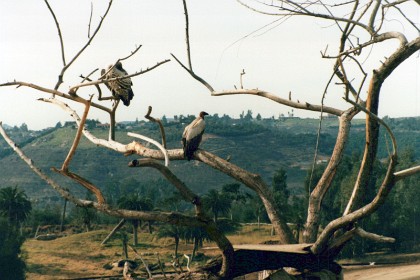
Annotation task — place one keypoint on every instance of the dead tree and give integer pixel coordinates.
(320, 250)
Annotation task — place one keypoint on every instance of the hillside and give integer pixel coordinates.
(261, 146)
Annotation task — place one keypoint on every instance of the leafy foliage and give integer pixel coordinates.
(12, 265)
(14, 210)
(14, 205)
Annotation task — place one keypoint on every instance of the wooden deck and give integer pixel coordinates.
(287, 248)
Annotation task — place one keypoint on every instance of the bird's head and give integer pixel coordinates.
(202, 114)
(118, 65)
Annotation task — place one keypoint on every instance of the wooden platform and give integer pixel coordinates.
(286, 248)
(250, 258)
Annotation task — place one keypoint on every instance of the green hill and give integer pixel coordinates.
(261, 146)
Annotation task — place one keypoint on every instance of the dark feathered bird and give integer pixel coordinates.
(192, 135)
(120, 89)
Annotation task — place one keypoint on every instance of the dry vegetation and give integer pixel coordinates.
(82, 255)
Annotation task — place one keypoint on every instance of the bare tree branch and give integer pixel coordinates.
(90, 18)
(201, 80)
(76, 141)
(159, 122)
(374, 237)
(165, 153)
(66, 66)
(273, 97)
(372, 127)
(407, 173)
(387, 185)
(373, 14)
(118, 60)
(59, 33)
(186, 193)
(324, 183)
(171, 218)
(97, 141)
(85, 183)
(54, 92)
(101, 81)
(187, 34)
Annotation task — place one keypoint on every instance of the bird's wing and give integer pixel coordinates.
(123, 83)
(106, 77)
(196, 127)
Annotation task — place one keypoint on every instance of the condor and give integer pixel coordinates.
(192, 135)
(121, 88)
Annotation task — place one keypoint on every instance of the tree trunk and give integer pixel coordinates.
(317, 195)
(194, 248)
(63, 215)
(135, 237)
(124, 245)
(176, 246)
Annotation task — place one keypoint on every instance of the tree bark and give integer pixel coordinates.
(135, 236)
(63, 215)
(317, 195)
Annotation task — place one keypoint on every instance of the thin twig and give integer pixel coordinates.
(394, 5)
(388, 129)
(187, 34)
(142, 260)
(90, 18)
(86, 79)
(59, 33)
(241, 78)
(318, 135)
(66, 66)
(101, 81)
(118, 60)
(98, 88)
(198, 78)
(159, 122)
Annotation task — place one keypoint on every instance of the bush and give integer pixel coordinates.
(12, 265)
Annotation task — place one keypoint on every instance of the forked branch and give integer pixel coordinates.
(159, 122)
(66, 66)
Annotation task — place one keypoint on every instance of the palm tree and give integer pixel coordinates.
(217, 203)
(172, 231)
(135, 202)
(14, 205)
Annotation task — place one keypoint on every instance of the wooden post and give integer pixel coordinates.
(113, 231)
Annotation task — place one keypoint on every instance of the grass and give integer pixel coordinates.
(82, 255)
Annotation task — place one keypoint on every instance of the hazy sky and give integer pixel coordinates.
(282, 59)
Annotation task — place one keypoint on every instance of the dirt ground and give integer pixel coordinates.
(383, 272)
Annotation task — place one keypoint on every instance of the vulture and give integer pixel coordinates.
(192, 135)
(120, 89)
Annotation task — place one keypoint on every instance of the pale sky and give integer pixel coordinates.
(286, 58)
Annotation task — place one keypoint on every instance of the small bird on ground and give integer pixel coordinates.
(121, 88)
(192, 135)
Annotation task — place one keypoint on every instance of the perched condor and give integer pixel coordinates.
(192, 135)
(120, 89)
